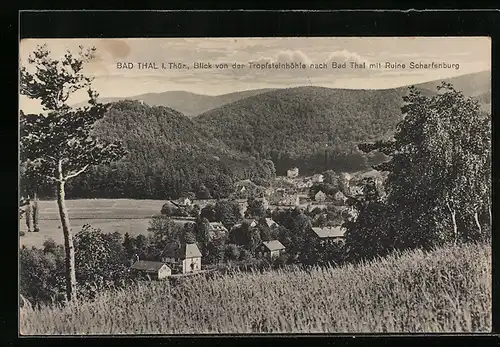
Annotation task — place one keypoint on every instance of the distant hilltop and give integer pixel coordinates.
(192, 104)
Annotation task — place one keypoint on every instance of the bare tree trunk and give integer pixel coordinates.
(36, 213)
(478, 224)
(28, 213)
(68, 241)
(453, 214)
(490, 215)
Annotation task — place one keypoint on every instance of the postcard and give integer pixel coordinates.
(252, 185)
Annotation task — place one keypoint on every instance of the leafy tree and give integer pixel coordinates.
(99, 260)
(188, 233)
(208, 212)
(371, 234)
(163, 231)
(141, 245)
(439, 168)
(228, 212)
(59, 145)
(255, 208)
(203, 192)
(38, 274)
(129, 246)
(232, 252)
(330, 177)
(265, 233)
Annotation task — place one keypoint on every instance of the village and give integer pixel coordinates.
(309, 195)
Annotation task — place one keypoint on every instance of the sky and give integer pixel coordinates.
(469, 54)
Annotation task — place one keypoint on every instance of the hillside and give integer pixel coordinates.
(168, 155)
(189, 104)
(446, 290)
(316, 128)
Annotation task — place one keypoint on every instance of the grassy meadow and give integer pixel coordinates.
(110, 215)
(446, 290)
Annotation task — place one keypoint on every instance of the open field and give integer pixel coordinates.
(446, 290)
(109, 215)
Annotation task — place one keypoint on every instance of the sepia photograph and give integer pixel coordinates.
(279, 185)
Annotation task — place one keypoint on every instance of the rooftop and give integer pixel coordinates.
(329, 232)
(273, 245)
(217, 226)
(187, 250)
(147, 266)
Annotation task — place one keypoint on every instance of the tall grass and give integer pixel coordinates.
(446, 290)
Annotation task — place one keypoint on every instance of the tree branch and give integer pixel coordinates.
(76, 173)
(52, 178)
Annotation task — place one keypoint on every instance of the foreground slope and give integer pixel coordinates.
(446, 290)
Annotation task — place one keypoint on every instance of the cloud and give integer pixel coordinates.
(346, 56)
(286, 56)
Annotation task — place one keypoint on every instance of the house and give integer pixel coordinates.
(270, 249)
(185, 202)
(329, 234)
(217, 227)
(318, 178)
(251, 222)
(292, 173)
(185, 259)
(339, 196)
(268, 222)
(280, 198)
(152, 269)
(320, 196)
(355, 190)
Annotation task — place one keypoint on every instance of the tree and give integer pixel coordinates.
(371, 233)
(29, 216)
(202, 234)
(439, 168)
(228, 212)
(59, 145)
(188, 233)
(129, 246)
(163, 231)
(208, 212)
(255, 208)
(100, 260)
(330, 177)
(36, 214)
(232, 252)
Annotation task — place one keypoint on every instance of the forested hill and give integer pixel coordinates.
(316, 128)
(189, 104)
(168, 155)
(294, 126)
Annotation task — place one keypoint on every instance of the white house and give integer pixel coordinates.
(339, 196)
(320, 196)
(268, 222)
(271, 249)
(186, 258)
(152, 269)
